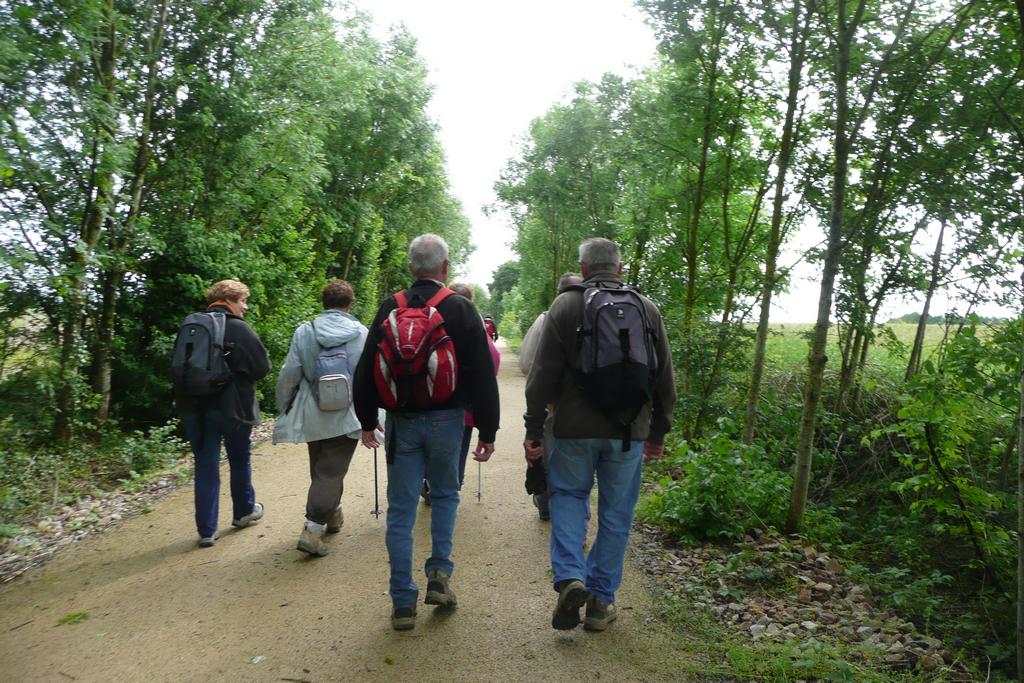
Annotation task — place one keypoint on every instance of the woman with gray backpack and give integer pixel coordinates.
(314, 393)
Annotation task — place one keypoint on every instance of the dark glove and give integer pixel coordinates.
(536, 478)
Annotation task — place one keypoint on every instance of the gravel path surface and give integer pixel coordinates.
(146, 604)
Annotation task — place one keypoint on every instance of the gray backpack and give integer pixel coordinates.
(332, 377)
(199, 364)
(618, 362)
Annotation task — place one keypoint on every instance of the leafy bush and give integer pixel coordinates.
(717, 489)
(33, 480)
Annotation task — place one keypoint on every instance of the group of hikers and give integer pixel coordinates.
(599, 398)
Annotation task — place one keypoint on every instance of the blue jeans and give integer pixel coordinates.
(467, 438)
(205, 434)
(426, 446)
(571, 472)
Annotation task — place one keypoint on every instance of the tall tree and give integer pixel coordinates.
(844, 29)
(797, 48)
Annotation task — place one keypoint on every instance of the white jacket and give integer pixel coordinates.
(528, 349)
(303, 421)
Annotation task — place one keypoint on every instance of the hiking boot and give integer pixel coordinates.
(336, 521)
(311, 540)
(426, 493)
(571, 597)
(438, 591)
(543, 510)
(249, 519)
(403, 618)
(208, 541)
(599, 615)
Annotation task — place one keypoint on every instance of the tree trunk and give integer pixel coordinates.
(917, 350)
(716, 366)
(698, 197)
(858, 375)
(115, 276)
(816, 358)
(1020, 506)
(105, 341)
(639, 254)
(796, 64)
(103, 182)
(1007, 457)
(850, 356)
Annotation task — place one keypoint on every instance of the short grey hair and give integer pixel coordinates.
(569, 279)
(462, 289)
(600, 254)
(427, 253)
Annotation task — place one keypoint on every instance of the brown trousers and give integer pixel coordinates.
(328, 463)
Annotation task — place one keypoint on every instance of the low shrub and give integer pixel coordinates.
(717, 489)
(34, 480)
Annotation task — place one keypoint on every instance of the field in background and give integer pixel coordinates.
(788, 345)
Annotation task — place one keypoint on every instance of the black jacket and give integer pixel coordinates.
(476, 385)
(553, 377)
(249, 363)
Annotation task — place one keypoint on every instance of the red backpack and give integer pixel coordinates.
(415, 364)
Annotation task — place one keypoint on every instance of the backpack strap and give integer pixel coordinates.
(441, 295)
(402, 300)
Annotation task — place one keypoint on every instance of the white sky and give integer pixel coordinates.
(496, 65)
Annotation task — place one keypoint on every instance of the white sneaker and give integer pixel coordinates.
(251, 518)
(311, 540)
(208, 541)
(336, 521)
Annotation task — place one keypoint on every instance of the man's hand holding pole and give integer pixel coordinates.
(483, 451)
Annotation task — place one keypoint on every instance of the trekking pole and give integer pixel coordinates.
(479, 467)
(376, 497)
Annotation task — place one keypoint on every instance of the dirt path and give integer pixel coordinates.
(254, 609)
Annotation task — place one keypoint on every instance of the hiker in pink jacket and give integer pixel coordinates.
(465, 290)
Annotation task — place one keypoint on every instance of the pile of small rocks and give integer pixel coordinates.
(36, 545)
(809, 596)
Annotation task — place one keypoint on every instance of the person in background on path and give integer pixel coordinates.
(325, 421)
(467, 434)
(422, 437)
(227, 416)
(466, 291)
(527, 351)
(589, 438)
(491, 327)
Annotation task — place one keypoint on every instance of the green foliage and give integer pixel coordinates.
(505, 278)
(35, 478)
(716, 489)
(263, 141)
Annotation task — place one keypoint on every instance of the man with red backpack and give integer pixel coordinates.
(425, 360)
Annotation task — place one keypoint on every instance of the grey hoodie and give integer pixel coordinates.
(302, 421)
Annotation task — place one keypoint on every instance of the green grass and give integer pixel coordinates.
(72, 618)
(717, 651)
(788, 344)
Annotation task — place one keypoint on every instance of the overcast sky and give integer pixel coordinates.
(495, 66)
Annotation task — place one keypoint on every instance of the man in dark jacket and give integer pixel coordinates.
(228, 415)
(587, 441)
(424, 444)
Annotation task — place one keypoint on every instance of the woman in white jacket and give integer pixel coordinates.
(317, 407)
